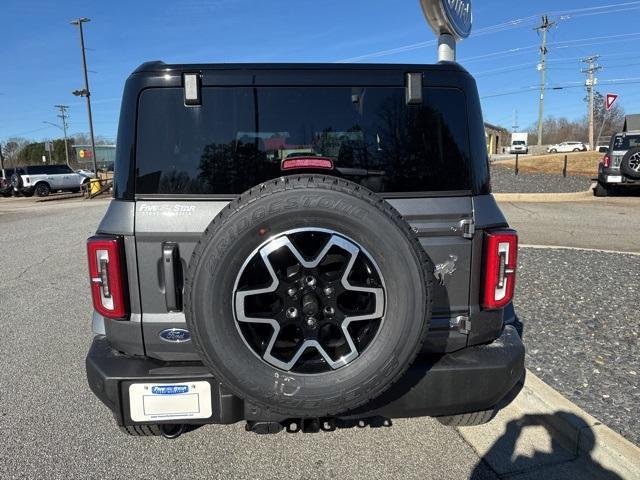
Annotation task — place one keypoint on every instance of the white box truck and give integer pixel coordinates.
(519, 143)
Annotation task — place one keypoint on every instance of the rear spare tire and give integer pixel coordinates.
(308, 296)
(16, 181)
(630, 164)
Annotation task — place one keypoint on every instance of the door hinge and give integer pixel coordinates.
(462, 323)
(468, 227)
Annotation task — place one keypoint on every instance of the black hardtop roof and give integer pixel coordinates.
(43, 165)
(159, 66)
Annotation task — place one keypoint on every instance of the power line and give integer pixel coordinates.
(558, 45)
(544, 28)
(524, 66)
(563, 15)
(529, 89)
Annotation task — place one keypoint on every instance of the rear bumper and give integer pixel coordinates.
(615, 177)
(473, 379)
(623, 180)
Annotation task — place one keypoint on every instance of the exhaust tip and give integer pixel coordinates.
(172, 431)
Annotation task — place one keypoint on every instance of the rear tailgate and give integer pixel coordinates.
(441, 223)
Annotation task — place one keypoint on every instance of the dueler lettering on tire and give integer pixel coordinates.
(308, 296)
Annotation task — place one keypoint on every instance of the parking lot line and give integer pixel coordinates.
(555, 247)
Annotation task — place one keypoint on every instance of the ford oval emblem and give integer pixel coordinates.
(449, 16)
(460, 17)
(175, 335)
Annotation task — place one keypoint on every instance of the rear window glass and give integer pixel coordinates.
(239, 137)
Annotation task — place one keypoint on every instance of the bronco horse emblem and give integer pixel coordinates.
(446, 268)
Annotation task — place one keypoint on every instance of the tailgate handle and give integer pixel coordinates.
(172, 273)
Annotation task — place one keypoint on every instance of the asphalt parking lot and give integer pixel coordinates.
(582, 324)
(53, 426)
(611, 223)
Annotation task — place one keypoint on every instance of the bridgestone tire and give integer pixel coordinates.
(601, 190)
(626, 167)
(279, 206)
(468, 419)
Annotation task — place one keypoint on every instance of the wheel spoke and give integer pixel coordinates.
(305, 288)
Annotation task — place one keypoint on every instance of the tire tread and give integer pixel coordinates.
(467, 419)
(295, 182)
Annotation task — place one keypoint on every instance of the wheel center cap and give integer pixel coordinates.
(310, 305)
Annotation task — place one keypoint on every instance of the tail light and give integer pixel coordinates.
(500, 257)
(106, 270)
(606, 161)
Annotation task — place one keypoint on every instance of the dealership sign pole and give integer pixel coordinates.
(451, 20)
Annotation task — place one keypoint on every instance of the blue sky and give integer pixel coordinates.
(41, 53)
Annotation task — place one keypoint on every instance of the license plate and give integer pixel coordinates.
(614, 178)
(169, 401)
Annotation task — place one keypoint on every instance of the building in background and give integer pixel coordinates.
(106, 155)
(631, 122)
(497, 138)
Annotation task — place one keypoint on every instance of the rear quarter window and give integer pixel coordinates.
(625, 142)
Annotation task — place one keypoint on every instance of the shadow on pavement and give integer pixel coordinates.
(566, 459)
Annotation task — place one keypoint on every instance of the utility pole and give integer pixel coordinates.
(1, 162)
(63, 115)
(86, 93)
(542, 67)
(515, 125)
(591, 69)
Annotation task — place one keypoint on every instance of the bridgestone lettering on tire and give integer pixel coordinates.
(308, 296)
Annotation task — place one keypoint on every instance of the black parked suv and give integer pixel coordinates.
(302, 247)
(6, 189)
(620, 166)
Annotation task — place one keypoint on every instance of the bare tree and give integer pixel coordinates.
(12, 150)
(82, 138)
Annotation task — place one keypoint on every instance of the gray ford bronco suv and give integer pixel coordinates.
(620, 166)
(302, 247)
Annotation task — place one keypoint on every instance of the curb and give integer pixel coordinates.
(545, 197)
(610, 449)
